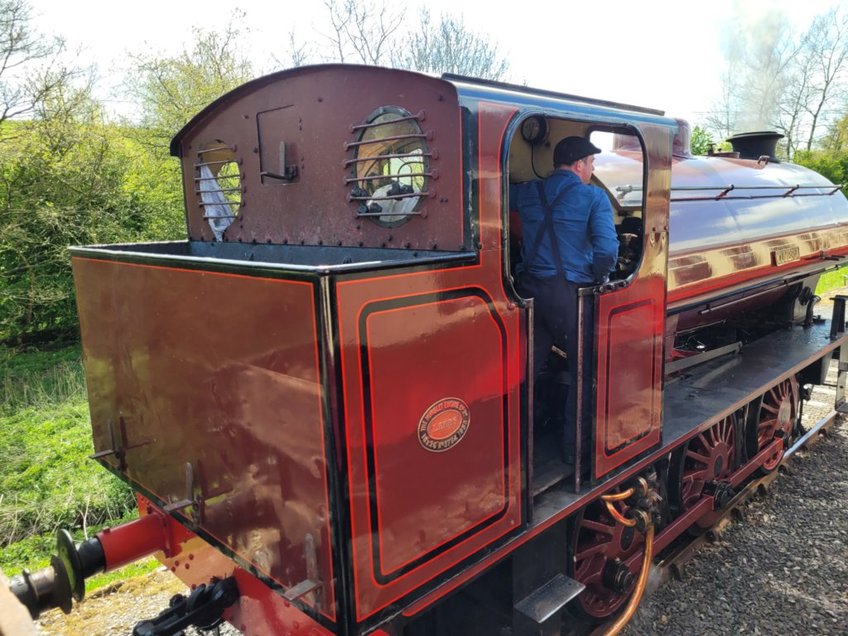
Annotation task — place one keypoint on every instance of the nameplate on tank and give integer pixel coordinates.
(443, 425)
(788, 254)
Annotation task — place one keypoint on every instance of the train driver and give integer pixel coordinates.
(569, 241)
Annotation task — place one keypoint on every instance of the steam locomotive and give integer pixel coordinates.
(322, 397)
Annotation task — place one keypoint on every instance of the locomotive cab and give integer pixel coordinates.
(530, 158)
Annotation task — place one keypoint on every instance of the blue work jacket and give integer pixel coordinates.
(583, 224)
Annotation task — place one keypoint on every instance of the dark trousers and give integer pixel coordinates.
(555, 322)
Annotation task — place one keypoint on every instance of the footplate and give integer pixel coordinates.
(549, 599)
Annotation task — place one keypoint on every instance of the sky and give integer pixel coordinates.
(663, 54)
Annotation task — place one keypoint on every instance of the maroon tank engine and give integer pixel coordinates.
(322, 397)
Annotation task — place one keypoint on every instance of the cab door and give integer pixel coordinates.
(630, 323)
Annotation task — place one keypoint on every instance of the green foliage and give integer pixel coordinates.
(32, 553)
(836, 139)
(45, 377)
(701, 141)
(47, 480)
(832, 280)
(133, 570)
(833, 165)
(171, 90)
(46, 477)
(71, 179)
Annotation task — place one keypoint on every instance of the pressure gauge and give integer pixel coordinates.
(534, 130)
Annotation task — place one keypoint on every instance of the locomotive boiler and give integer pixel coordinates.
(322, 396)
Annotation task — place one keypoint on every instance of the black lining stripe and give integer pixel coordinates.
(409, 301)
(201, 267)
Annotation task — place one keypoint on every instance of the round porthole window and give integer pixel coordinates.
(390, 166)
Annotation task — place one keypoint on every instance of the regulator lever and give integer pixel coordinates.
(203, 608)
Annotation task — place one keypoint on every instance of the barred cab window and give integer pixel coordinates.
(390, 166)
(218, 185)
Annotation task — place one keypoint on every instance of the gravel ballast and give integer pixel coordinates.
(783, 569)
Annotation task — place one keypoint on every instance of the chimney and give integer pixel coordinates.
(753, 145)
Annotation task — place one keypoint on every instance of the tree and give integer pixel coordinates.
(796, 84)
(449, 47)
(30, 66)
(723, 117)
(833, 165)
(60, 184)
(700, 141)
(298, 52)
(836, 139)
(71, 177)
(171, 90)
(362, 31)
(374, 32)
(827, 42)
(757, 54)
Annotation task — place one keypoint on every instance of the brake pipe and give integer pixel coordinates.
(619, 496)
(648, 555)
(620, 518)
(641, 584)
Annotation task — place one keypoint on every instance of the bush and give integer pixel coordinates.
(66, 181)
(833, 165)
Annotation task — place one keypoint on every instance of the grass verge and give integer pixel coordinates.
(46, 478)
(833, 280)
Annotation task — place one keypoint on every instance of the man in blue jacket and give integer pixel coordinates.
(569, 241)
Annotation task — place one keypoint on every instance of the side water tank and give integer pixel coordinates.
(736, 223)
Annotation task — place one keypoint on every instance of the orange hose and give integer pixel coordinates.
(618, 516)
(641, 584)
(619, 496)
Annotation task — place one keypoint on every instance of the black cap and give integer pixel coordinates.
(573, 149)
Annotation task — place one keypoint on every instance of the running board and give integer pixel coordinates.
(699, 358)
(549, 599)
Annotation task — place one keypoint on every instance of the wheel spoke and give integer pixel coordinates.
(703, 459)
(770, 408)
(591, 551)
(768, 423)
(714, 436)
(697, 473)
(597, 526)
(587, 578)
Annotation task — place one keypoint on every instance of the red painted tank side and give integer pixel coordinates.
(409, 342)
(219, 371)
(717, 244)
